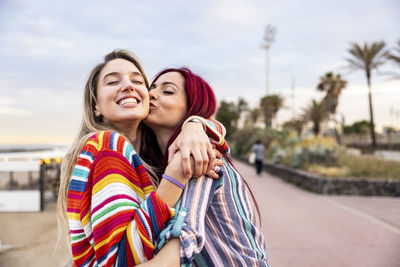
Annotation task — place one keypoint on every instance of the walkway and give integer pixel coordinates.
(306, 229)
(302, 229)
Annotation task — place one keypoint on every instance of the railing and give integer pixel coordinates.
(27, 184)
(49, 178)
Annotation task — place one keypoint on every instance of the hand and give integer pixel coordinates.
(174, 168)
(213, 173)
(193, 141)
(167, 190)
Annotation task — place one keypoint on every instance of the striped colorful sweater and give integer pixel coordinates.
(114, 214)
(216, 223)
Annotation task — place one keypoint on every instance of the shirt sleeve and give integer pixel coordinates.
(215, 130)
(189, 222)
(124, 226)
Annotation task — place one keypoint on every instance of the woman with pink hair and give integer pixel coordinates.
(216, 220)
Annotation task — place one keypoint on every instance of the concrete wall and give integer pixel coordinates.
(337, 186)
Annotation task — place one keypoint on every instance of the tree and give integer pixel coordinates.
(296, 124)
(241, 107)
(368, 58)
(269, 106)
(395, 58)
(226, 115)
(229, 114)
(316, 113)
(358, 127)
(252, 117)
(332, 85)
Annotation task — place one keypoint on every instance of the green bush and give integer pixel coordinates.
(243, 139)
(295, 152)
(363, 166)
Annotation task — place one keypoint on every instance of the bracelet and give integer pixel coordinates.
(172, 180)
(197, 119)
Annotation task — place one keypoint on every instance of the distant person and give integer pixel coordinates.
(258, 149)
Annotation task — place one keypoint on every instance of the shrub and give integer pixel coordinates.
(244, 139)
(295, 152)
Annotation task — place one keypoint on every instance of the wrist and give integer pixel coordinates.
(176, 175)
(195, 120)
(174, 181)
(196, 123)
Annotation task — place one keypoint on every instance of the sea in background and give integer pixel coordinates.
(22, 162)
(26, 157)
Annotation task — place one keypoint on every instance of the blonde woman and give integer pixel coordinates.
(113, 211)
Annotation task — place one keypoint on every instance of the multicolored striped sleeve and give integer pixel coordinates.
(123, 228)
(189, 222)
(77, 205)
(215, 130)
(121, 214)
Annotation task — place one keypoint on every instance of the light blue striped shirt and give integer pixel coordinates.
(217, 223)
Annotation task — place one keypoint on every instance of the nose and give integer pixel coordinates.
(153, 94)
(127, 85)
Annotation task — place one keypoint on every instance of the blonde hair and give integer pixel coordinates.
(90, 124)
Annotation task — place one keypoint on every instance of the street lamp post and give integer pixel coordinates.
(269, 37)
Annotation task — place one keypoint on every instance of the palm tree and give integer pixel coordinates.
(296, 124)
(368, 58)
(332, 85)
(252, 117)
(229, 115)
(395, 58)
(269, 106)
(316, 113)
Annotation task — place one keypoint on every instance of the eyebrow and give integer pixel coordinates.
(170, 83)
(117, 73)
(152, 86)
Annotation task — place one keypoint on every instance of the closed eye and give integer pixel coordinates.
(112, 82)
(137, 82)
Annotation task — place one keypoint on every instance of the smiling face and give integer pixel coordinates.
(168, 102)
(122, 96)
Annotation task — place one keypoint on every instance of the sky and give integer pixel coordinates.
(48, 49)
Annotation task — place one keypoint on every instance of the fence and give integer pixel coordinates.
(41, 186)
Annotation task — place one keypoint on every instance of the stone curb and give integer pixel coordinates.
(332, 186)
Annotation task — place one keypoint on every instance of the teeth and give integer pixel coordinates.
(128, 101)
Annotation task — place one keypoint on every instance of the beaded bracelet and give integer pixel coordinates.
(172, 180)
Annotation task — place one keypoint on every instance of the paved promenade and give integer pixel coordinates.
(310, 230)
(302, 229)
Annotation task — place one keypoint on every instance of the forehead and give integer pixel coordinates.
(119, 65)
(173, 77)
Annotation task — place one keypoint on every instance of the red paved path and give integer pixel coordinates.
(310, 230)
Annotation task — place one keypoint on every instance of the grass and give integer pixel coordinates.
(358, 166)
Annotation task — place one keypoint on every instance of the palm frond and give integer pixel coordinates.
(367, 57)
(392, 56)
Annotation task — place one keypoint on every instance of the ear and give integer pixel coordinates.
(97, 112)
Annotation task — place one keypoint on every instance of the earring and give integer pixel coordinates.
(97, 112)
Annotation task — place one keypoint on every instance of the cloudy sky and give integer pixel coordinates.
(47, 51)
